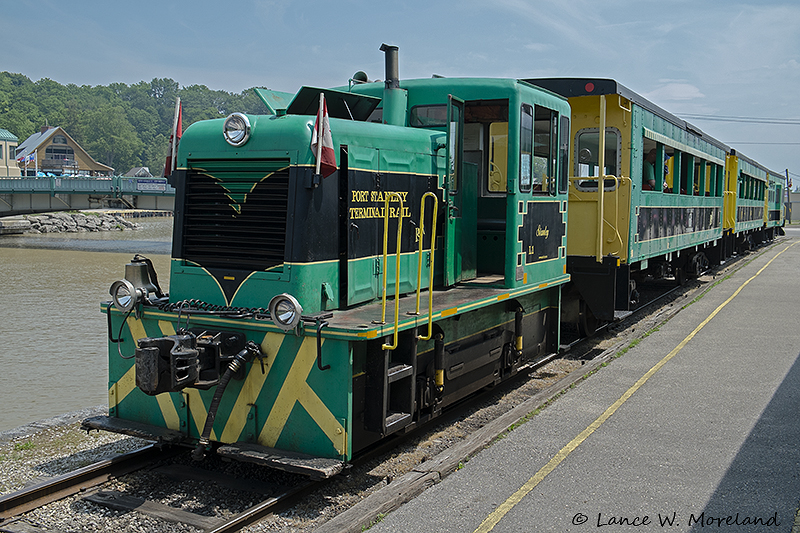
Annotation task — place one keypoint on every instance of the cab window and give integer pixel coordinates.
(538, 149)
(545, 148)
(427, 116)
(526, 148)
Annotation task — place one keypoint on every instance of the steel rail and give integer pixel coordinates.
(268, 506)
(76, 481)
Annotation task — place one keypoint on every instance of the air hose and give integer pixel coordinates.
(250, 351)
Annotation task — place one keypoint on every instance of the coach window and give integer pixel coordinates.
(587, 148)
(699, 177)
(712, 179)
(654, 168)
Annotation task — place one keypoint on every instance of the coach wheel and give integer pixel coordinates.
(680, 276)
(587, 322)
(634, 294)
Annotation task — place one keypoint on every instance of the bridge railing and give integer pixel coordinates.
(114, 186)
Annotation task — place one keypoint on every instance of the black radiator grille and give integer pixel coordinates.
(235, 214)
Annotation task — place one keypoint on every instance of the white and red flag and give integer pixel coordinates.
(326, 157)
(174, 139)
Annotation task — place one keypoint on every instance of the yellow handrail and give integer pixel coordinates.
(617, 187)
(389, 196)
(601, 164)
(419, 260)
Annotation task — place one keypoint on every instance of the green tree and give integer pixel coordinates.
(120, 125)
(111, 139)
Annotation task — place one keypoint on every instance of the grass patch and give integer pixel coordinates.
(377, 520)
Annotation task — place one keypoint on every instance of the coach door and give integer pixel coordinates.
(459, 234)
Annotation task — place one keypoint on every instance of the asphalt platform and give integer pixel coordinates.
(695, 428)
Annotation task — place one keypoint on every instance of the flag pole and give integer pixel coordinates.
(175, 133)
(319, 130)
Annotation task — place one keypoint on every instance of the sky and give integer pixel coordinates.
(713, 58)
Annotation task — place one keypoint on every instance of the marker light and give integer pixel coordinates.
(236, 129)
(285, 311)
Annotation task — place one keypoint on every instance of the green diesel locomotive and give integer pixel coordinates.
(313, 312)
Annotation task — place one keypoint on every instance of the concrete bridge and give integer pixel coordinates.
(21, 196)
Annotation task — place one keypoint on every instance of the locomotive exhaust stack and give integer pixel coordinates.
(395, 99)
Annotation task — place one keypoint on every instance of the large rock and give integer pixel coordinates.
(77, 222)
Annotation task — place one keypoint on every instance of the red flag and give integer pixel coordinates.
(326, 157)
(174, 139)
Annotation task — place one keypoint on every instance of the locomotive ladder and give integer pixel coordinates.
(391, 373)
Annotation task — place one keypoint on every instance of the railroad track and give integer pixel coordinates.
(74, 482)
(90, 479)
(271, 497)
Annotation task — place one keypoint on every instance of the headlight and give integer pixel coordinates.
(285, 311)
(236, 129)
(124, 295)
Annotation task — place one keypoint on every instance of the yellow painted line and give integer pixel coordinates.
(332, 332)
(166, 328)
(242, 284)
(495, 517)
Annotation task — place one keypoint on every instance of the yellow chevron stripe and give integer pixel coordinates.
(324, 419)
(123, 387)
(292, 385)
(166, 327)
(137, 329)
(197, 410)
(251, 388)
(296, 389)
(168, 411)
(127, 382)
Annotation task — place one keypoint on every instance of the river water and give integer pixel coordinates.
(53, 339)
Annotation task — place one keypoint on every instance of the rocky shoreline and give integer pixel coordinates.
(75, 223)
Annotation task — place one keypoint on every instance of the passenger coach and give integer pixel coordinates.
(674, 200)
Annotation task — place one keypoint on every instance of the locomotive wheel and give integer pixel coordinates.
(587, 322)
